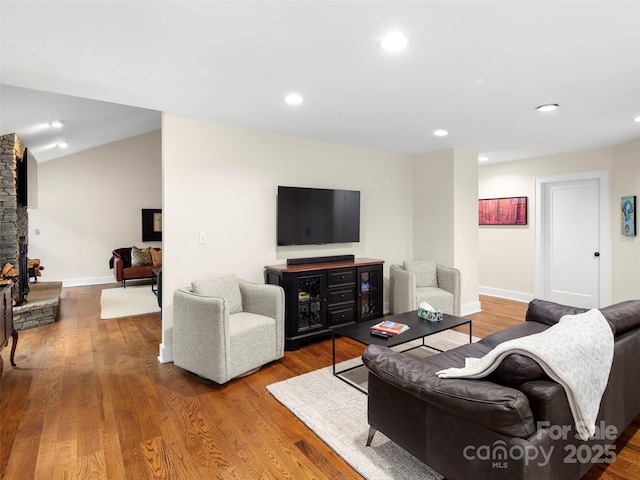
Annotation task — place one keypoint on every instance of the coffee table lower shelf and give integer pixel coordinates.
(418, 329)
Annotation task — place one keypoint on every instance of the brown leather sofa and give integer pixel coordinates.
(515, 423)
(120, 262)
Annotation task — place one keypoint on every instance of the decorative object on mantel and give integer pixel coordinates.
(502, 211)
(628, 210)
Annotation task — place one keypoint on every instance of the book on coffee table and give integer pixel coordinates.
(387, 326)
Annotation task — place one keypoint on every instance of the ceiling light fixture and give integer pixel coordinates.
(547, 107)
(482, 159)
(393, 42)
(63, 145)
(294, 99)
(637, 119)
(56, 123)
(440, 133)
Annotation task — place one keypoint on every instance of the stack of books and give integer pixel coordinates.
(389, 327)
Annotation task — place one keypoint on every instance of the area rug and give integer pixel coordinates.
(126, 302)
(337, 413)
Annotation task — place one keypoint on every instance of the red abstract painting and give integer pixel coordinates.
(502, 211)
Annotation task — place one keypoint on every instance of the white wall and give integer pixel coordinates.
(506, 252)
(445, 215)
(223, 180)
(626, 250)
(465, 225)
(89, 203)
(433, 207)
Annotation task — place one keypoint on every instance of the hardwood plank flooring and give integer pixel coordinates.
(89, 400)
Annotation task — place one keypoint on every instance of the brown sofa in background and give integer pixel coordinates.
(477, 429)
(120, 262)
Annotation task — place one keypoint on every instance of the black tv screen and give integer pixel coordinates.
(315, 216)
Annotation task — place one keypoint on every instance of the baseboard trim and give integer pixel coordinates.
(79, 282)
(166, 353)
(469, 308)
(507, 294)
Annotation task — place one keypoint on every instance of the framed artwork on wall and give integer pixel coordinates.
(628, 215)
(151, 225)
(502, 211)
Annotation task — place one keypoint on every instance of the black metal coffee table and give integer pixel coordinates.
(418, 329)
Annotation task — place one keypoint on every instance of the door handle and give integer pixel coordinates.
(596, 254)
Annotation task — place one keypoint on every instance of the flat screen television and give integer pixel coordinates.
(316, 216)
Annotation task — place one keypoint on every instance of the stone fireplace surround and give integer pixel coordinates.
(14, 227)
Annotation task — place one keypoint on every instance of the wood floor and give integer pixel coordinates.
(89, 400)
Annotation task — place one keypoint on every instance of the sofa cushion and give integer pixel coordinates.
(424, 271)
(436, 297)
(132, 273)
(515, 370)
(622, 316)
(156, 256)
(225, 287)
(141, 257)
(516, 331)
(549, 313)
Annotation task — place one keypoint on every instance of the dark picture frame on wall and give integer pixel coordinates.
(151, 224)
(502, 211)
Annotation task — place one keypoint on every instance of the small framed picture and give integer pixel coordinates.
(151, 225)
(628, 215)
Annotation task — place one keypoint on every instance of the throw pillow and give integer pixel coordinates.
(549, 313)
(424, 271)
(141, 257)
(224, 287)
(515, 370)
(156, 257)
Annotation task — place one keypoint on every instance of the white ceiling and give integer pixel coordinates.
(475, 68)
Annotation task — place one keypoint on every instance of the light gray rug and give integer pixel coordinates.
(126, 302)
(337, 413)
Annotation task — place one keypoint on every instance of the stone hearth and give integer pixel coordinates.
(41, 307)
(34, 304)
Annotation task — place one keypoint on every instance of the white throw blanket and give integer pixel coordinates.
(577, 352)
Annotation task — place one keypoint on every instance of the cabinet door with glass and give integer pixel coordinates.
(310, 303)
(369, 284)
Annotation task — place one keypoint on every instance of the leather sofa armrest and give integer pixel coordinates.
(548, 402)
(118, 265)
(449, 280)
(500, 409)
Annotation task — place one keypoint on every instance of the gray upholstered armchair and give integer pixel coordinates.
(424, 281)
(226, 327)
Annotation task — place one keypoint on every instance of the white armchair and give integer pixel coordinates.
(227, 328)
(424, 281)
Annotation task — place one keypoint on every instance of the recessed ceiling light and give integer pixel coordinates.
(440, 133)
(637, 119)
(482, 159)
(393, 42)
(63, 145)
(294, 99)
(56, 123)
(547, 107)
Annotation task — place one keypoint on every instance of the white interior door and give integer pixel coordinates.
(573, 258)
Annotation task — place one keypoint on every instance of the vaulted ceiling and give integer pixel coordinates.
(476, 69)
